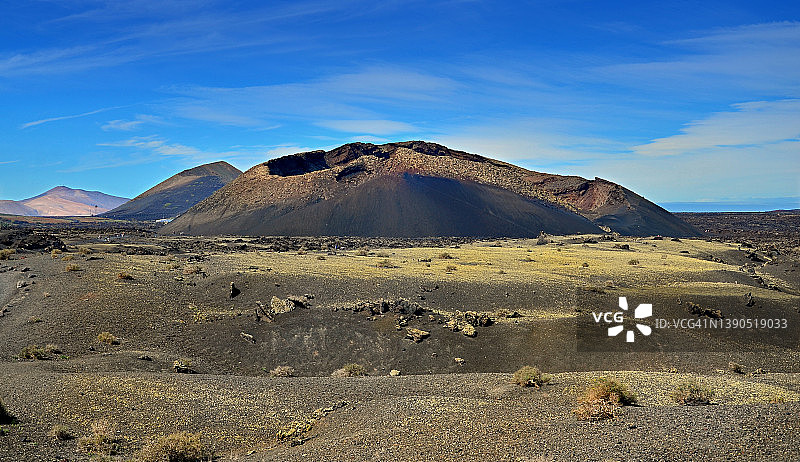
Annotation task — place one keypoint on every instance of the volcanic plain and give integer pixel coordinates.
(240, 339)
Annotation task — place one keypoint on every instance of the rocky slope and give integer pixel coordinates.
(62, 201)
(414, 189)
(177, 194)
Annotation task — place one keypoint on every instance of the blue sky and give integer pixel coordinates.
(680, 101)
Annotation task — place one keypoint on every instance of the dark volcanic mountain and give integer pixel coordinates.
(62, 201)
(177, 194)
(415, 189)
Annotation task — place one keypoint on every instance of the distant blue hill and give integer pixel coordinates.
(753, 205)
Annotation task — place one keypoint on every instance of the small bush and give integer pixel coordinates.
(321, 257)
(450, 268)
(385, 264)
(53, 349)
(350, 370)
(101, 441)
(529, 376)
(55, 253)
(445, 256)
(177, 447)
(633, 261)
(84, 250)
(612, 391)
(585, 265)
(124, 276)
(601, 400)
(33, 352)
(736, 367)
(692, 393)
(61, 432)
(73, 267)
(6, 253)
(362, 252)
(107, 338)
(68, 258)
(5, 415)
(282, 371)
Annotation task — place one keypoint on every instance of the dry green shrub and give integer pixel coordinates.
(692, 393)
(362, 252)
(60, 432)
(68, 258)
(450, 268)
(107, 338)
(445, 256)
(124, 276)
(34, 352)
(6, 253)
(73, 267)
(735, 367)
(601, 400)
(633, 261)
(282, 371)
(55, 253)
(530, 376)
(385, 264)
(350, 370)
(83, 250)
(321, 257)
(52, 348)
(177, 447)
(102, 441)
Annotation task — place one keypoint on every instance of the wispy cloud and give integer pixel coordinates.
(9, 161)
(760, 57)
(337, 101)
(759, 123)
(73, 116)
(130, 125)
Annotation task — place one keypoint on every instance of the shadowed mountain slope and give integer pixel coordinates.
(416, 189)
(176, 194)
(62, 201)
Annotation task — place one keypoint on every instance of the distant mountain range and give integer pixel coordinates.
(416, 189)
(62, 201)
(176, 194)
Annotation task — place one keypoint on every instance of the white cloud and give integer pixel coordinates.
(760, 57)
(130, 125)
(759, 123)
(73, 116)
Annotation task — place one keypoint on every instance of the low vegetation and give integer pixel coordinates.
(176, 447)
(108, 338)
(445, 256)
(350, 370)
(61, 432)
(282, 371)
(692, 393)
(102, 441)
(735, 367)
(6, 253)
(601, 400)
(34, 352)
(530, 376)
(633, 261)
(124, 276)
(73, 267)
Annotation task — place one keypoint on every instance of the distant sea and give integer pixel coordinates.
(753, 205)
